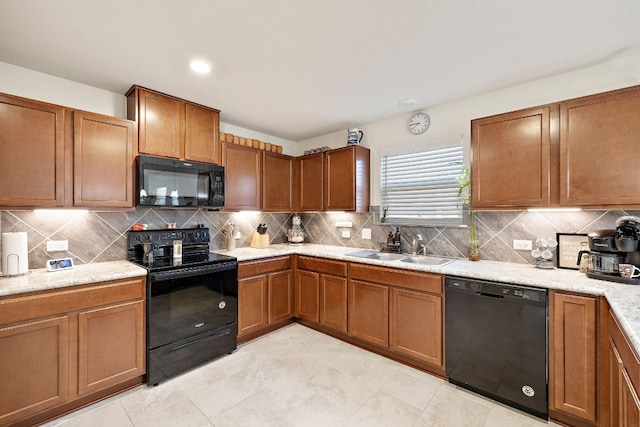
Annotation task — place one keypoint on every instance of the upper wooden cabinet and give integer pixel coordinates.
(59, 157)
(310, 189)
(346, 179)
(171, 127)
(278, 179)
(243, 177)
(103, 161)
(570, 153)
(599, 145)
(32, 165)
(511, 159)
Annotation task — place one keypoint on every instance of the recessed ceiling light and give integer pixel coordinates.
(200, 66)
(407, 103)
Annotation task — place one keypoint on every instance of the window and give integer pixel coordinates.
(419, 187)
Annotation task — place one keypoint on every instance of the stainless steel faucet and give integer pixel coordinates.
(416, 244)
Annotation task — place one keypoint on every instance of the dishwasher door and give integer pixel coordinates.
(496, 342)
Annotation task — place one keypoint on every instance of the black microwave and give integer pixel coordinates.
(173, 183)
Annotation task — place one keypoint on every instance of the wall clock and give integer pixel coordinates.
(418, 123)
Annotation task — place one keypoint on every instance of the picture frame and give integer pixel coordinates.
(569, 245)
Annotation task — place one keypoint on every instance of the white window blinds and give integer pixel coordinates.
(420, 187)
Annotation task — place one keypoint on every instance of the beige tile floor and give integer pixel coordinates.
(299, 377)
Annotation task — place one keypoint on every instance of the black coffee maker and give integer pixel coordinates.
(610, 248)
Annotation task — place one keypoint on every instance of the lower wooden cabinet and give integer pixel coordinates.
(369, 312)
(573, 356)
(416, 320)
(265, 295)
(65, 346)
(321, 292)
(624, 378)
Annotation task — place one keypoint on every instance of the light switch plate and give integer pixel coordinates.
(366, 233)
(57, 245)
(522, 245)
(346, 234)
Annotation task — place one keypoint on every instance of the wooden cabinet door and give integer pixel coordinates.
(333, 302)
(311, 182)
(629, 402)
(369, 312)
(252, 304)
(111, 345)
(242, 177)
(599, 149)
(615, 382)
(307, 295)
(277, 182)
(573, 356)
(511, 159)
(416, 325)
(346, 179)
(32, 164)
(202, 142)
(35, 357)
(280, 296)
(103, 161)
(161, 125)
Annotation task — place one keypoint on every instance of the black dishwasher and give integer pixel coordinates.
(496, 341)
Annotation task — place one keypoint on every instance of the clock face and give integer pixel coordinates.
(419, 123)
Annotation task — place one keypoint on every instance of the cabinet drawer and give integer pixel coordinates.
(629, 358)
(263, 266)
(425, 282)
(42, 304)
(336, 268)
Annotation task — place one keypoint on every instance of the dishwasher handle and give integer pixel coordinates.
(488, 295)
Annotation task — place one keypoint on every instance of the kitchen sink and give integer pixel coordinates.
(426, 260)
(383, 256)
(412, 259)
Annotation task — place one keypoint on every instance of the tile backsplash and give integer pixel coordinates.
(98, 236)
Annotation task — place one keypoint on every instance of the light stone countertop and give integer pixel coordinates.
(623, 299)
(41, 280)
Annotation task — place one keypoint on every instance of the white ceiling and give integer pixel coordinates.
(303, 68)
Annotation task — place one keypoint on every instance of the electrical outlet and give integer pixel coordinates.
(366, 233)
(57, 245)
(522, 245)
(346, 234)
(238, 235)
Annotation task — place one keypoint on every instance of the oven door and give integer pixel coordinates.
(190, 301)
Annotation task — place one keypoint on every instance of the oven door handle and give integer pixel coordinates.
(192, 271)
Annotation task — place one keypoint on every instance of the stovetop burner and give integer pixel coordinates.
(195, 249)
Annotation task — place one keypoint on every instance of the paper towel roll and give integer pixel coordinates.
(15, 258)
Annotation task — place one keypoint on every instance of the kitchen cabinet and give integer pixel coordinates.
(265, 295)
(398, 309)
(64, 348)
(60, 157)
(172, 127)
(103, 161)
(32, 167)
(624, 378)
(369, 312)
(512, 159)
(599, 136)
(322, 294)
(569, 153)
(310, 189)
(573, 356)
(346, 179)
(278, 180)
(243, 175)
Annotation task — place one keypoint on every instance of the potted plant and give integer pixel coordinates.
(465, 192)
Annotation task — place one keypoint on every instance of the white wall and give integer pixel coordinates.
(27, 83)
(451, 122)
